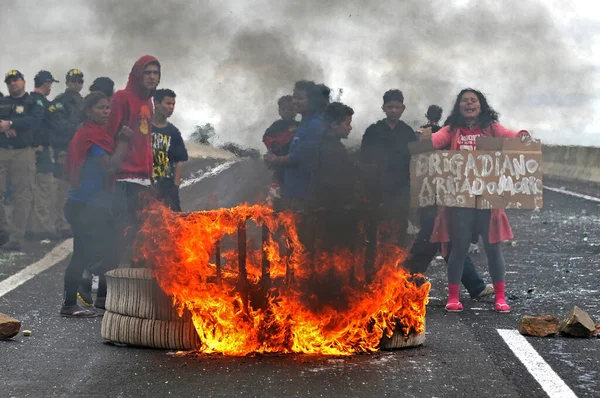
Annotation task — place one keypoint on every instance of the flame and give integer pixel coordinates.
(320, 305)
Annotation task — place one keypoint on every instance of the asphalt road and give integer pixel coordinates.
(550, 269)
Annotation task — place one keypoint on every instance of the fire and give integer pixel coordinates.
(287, 301)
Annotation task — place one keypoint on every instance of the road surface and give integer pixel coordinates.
(551, 268)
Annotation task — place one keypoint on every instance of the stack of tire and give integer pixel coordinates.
(138, 313)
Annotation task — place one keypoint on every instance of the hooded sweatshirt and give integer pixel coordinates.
(133, 107)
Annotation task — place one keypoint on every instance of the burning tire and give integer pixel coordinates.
(134, 292)
(138, 313)
(398, 340)
(149, 333)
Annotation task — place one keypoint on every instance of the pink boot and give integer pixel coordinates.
(453, 305)
(500, 301)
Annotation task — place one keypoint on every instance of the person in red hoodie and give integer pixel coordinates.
(133, 107)
(472, 117)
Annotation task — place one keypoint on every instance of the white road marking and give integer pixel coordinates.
(211, 172)
(550, 382)
(56, 255)
(571, 193)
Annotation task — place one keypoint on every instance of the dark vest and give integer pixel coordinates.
(13, 109)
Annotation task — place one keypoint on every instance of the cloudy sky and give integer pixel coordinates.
(538, 61)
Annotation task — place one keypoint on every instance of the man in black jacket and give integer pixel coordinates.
(41, 219)
(333, 202)
(66, 108)
(385, 161)
(20, 118)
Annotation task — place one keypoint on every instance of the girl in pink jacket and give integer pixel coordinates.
(472, 117)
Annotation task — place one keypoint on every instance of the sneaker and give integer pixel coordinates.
(75, 311)
(84, 292)
(502, 307)
(12, 246)
(488, 290)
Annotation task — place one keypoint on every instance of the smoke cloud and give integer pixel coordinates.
(229, 61)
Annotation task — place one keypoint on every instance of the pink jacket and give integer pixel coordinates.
(448, 139)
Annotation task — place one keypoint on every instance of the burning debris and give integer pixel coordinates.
(277, 298)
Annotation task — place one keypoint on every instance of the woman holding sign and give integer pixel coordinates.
(472, 117)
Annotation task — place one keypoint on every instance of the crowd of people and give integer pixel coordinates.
(87, 167)
(334, 193)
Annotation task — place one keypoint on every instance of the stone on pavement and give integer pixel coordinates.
(9, 327)
(577, 324)
(539, 326)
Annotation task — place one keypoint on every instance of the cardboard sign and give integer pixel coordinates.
(501, 173)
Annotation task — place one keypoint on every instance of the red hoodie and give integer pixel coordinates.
(133, 107)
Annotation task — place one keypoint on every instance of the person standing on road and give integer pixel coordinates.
(278, 138)
(104, 85)
(133, 107)
(472, 117)
(309, 100)
(423, 250)
(91, 160)
(333, 200)
(168, 150)
(66, 108)
(20, 119)
(41, 219)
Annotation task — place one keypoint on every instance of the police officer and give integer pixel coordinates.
(20, 119)
(65, 108)
(41, 219)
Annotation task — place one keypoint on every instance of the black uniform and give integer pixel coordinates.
(44, 163)
(18, 163)
(26, 116)
(66, 116)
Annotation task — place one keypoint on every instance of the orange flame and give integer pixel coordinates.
(326, 308)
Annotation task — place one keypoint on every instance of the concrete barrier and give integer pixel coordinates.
(572, 163)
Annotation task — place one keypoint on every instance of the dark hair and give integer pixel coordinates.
(90, 100)
(160, 94)
(487, 114)
(336, 112)
(318, 95)
(103, 84)
(434, 113)
(285, 100)
(393, 95)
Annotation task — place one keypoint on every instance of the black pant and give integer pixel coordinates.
(423, 251)
(93, 244)
(168, 193)
(128, 202)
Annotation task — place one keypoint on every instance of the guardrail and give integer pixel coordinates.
(575, 163)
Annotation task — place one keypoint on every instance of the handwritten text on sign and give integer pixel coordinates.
(455, 178)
